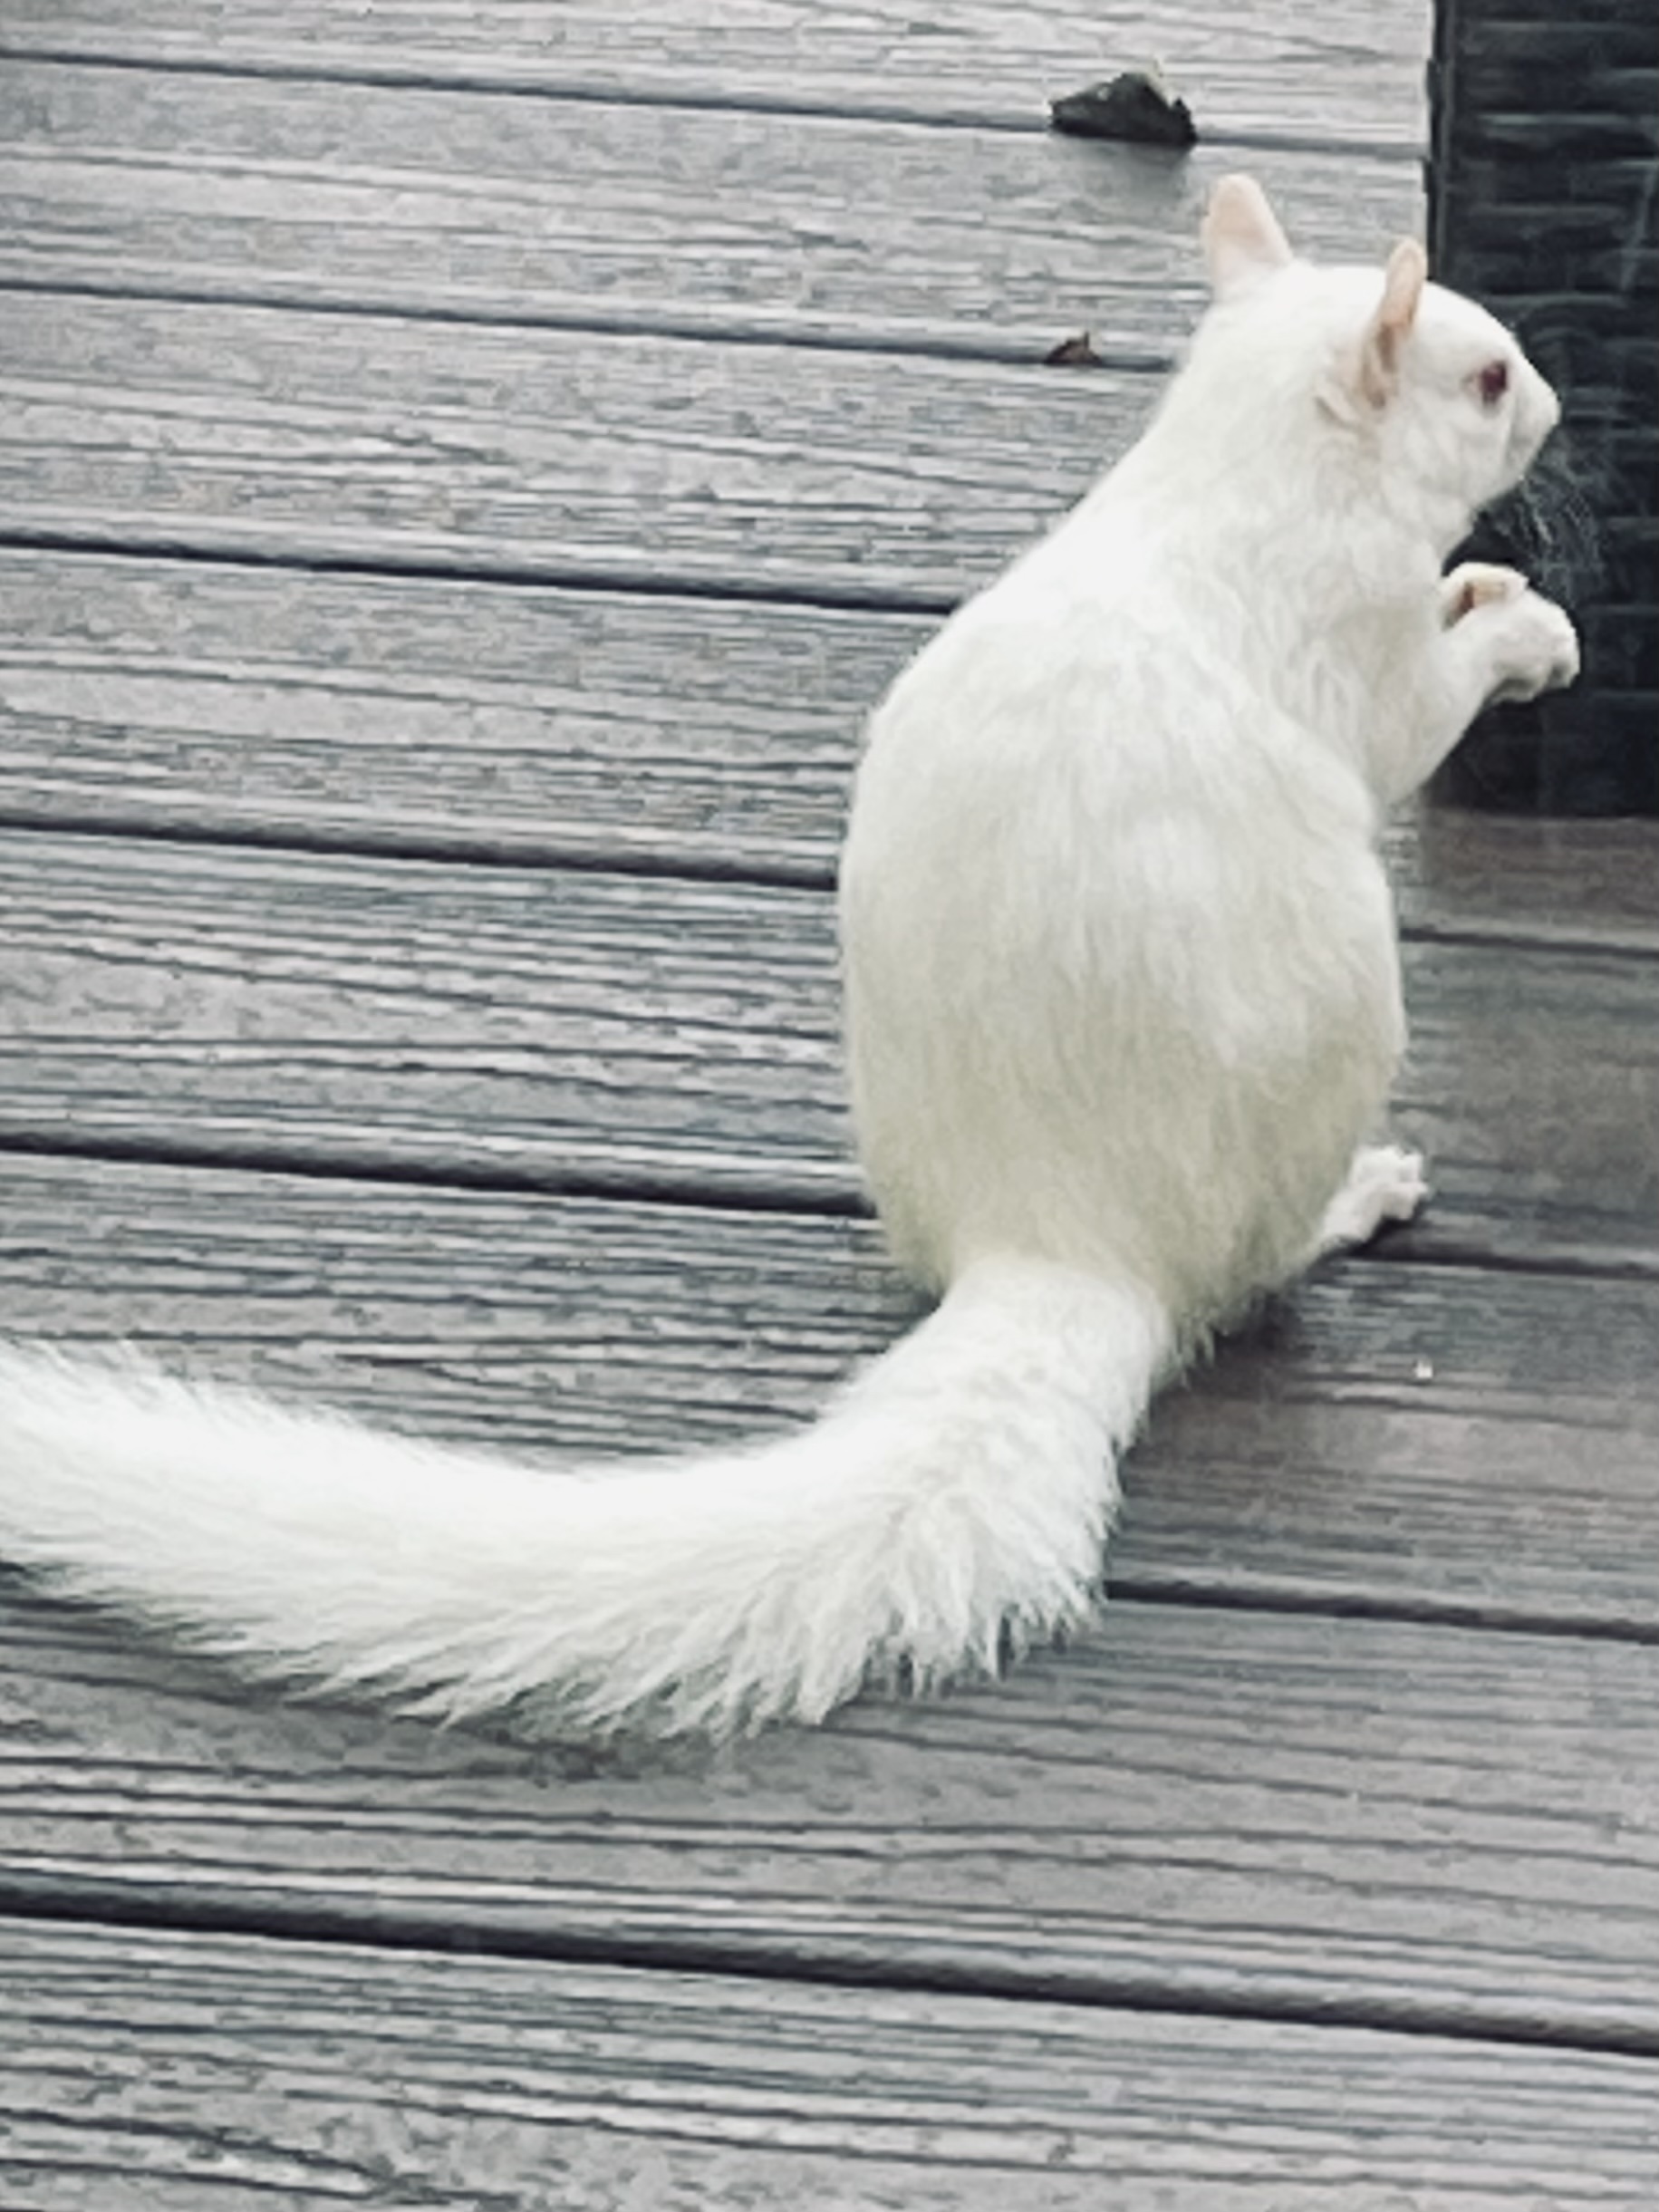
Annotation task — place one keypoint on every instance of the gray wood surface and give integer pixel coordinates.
(486, 1022)
(1529, 880)
(750, 468)
(1314, 1816)
(990, 242)
(488, 2082)
(657, 383)
(1352, 74)
(481, 720)
(464, 719)
(1478, 1444)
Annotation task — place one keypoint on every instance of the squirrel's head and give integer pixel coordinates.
(1419, 389)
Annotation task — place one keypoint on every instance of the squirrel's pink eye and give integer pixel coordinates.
(1493, 381)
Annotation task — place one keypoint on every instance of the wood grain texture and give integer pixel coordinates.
(1391, 1436)
(516, 722)
(328, 2073)
(468, 717)
(459, 1021)
(456, 1019)
(1530, 879)
(315, 2075)
(1316, 1818)
(756, 468)
(1352, 74)
(575, 212)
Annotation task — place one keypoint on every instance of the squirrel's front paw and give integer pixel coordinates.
(1534, 646)
(1477, 584)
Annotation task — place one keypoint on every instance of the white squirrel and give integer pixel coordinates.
(1123, 1008)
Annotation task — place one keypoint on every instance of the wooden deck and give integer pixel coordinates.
(464, 472)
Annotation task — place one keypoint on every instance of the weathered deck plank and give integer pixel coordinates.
(1406, 1438)
(489, 722)
(1353, 74)
(321, 2074)
(528, 210)
(483, 1023)
(751, 469)
(467, 718)
(1529, 879)
(1317, 1817)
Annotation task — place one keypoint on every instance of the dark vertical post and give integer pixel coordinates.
(1543, 156)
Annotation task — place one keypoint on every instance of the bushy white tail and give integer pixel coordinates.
(955, 1495)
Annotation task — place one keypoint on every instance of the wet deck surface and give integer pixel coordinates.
(464, 473)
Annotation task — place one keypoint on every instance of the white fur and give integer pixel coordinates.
(1122, 1004)
(957, 1494)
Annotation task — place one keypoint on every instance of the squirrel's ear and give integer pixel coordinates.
(1378, 369)
(1243, 240)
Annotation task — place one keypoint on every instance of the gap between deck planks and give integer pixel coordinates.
(517, 2082)
(1350, 77)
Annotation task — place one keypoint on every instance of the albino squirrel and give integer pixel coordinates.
(1122, 1006)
